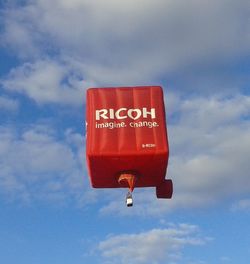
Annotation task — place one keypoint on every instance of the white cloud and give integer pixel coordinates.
(241, 205)
(153, 246)
(48, 81)
(225, 260)
(35, 165)
(8, 104)
(120, 42)
(209, 150)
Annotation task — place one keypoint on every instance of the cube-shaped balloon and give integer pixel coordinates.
(126, 133)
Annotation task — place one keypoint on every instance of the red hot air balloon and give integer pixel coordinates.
(127, 143)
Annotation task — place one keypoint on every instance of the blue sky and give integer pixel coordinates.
(50, 53)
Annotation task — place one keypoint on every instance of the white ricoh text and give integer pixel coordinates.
(123, 113)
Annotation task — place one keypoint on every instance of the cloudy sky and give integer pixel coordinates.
(50, 53)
